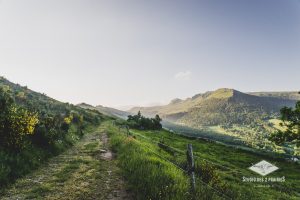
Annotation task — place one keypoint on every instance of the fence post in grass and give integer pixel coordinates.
(191, 167)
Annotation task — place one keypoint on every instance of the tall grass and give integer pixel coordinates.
(149, 176)
(226, 181)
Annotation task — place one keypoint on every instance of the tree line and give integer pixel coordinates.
(140, 122)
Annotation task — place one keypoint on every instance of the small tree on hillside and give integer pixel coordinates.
(291, 122)
(157, 122)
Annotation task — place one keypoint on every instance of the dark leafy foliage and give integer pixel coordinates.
(15, 123)
(140, 122)
(291, 122)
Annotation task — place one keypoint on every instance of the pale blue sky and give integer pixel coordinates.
(129, 52)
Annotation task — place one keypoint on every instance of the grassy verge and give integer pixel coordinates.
(14, 165)
(228, 165)
(150, 176)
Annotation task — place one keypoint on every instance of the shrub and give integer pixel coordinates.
(15, 123)
(140, 122)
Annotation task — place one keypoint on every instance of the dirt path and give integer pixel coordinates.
(86, 171)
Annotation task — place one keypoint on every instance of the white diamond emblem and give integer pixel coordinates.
(263, 168)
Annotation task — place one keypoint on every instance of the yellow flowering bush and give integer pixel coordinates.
(18, 123)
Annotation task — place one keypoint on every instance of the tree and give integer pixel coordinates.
(291, 123)
(139, 115)
(140, 122)
(157, 122)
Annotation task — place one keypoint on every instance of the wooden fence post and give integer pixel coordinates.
(191, 166)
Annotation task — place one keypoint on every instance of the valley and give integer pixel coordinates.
(87, 152)
(226, 113)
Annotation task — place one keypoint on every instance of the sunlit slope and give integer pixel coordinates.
(284, 95)
(105, 110)
(223, 106)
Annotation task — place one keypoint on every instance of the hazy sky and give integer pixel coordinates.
(129, 52)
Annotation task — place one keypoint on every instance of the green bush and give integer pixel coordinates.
(140, 122)
(15, 123)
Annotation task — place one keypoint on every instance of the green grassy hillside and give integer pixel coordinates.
(154, 172)
(105, 110)
(283, 95)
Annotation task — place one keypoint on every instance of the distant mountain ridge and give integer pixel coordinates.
(223, 106)
(294, 95)
(105, 110)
